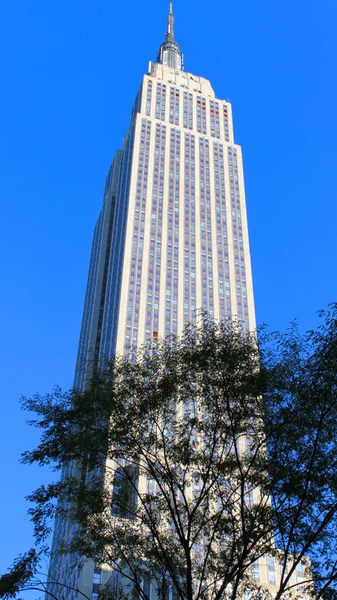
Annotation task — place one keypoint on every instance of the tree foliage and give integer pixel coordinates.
(191, 461)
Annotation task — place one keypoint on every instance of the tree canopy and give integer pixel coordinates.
(205, 463)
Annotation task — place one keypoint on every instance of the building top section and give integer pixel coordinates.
(169, 52)
(181, 79)
(184, 101)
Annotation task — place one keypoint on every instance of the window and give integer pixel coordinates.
(147, 586)
(271, 570)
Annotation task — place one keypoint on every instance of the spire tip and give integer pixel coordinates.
(170, 21)
(169, 52)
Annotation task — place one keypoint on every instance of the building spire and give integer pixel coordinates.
(169, 52)
(170, 22)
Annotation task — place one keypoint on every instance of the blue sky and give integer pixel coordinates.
(69, 74)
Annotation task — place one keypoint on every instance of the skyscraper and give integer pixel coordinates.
(172, 234)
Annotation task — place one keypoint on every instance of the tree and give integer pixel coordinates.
(25, 575)
(195, 460)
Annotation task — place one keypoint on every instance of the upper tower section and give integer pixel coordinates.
(169, 52)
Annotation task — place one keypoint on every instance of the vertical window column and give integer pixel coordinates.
(201, 115)
(188, 110)
(161, 101)
(171, 301)
(214, 119)
(226, 122)
(239, 258)
(149, 98)
(271, 570)
(217, 120)
(256, 571)
(174, 106)
(154, 264)
(132, 319)
(189, 230)
(207, 294)
(221, 232)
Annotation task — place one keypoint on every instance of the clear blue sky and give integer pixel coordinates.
(69, 73)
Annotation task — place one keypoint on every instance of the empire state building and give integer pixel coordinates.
(172, 234)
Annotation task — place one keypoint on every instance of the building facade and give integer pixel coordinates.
(172, 234)
(171, 237)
